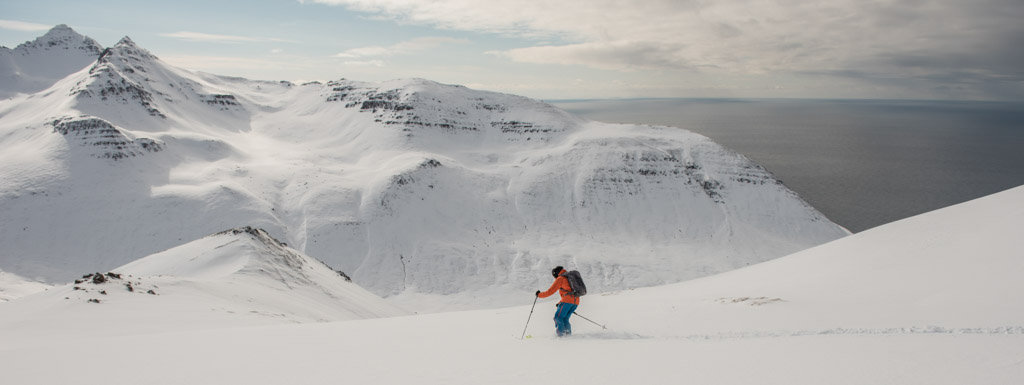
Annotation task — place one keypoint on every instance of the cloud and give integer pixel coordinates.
(365, 63)
(402, 48)
(230, 39)
(616, 55)
(925, 39)
(23, 26)
(230, 63)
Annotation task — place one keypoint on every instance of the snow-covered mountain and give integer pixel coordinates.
(234, 278)
(35, 65)
(419, 191)
(931, 299)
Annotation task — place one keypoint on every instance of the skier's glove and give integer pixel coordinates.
(537, 294)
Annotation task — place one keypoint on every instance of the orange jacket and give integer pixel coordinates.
(561, 285)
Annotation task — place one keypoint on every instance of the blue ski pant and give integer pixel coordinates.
(562, 314)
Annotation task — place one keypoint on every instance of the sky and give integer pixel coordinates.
(578, 49)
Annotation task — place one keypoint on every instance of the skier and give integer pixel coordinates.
(566, 306)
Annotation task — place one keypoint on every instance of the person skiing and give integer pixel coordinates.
(566, 306)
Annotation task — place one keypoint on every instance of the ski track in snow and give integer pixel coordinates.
(1007, 330)
(926, 330)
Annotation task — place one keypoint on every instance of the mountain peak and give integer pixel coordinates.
(127, 47)
(62, 37)
(59, 31)
(35, 65)
(266, 273)
(252, 249)
(260, 235)
(61, 28)
(126, 42)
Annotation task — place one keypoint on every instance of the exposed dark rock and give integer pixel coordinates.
(257, 232)
(343, 275)
(224, 102)
(113, 144)
(517, 127)
(385, 105)
(711, 188)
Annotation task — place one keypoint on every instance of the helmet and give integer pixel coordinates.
(555, 271)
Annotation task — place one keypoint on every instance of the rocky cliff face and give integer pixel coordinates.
(102, 138)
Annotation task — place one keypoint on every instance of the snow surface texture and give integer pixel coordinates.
(13, 286)
(235, 278)
(932, 299)
(35, 65)
(429, 194)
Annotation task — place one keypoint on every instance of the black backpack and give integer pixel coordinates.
(579, 288)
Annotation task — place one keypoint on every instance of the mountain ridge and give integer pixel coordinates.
(412, 187)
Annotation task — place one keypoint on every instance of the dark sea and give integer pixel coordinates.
(862, 163)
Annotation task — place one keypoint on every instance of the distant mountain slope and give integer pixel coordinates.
(414, 188)
(35, 65)
(237, 277)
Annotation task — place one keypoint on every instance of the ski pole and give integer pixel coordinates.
(591, 321)
(528, 318)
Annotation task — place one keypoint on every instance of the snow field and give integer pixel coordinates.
(475, 347)
(818, 316)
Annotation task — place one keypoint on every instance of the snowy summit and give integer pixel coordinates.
(35, 65)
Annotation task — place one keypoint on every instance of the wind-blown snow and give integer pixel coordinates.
(931, 299)
(434, 196)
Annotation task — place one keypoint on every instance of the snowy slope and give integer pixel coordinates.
(927, 300)
(35, 65)
(234, 278)
(429, 194)
(956, 268)
(13, 286)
